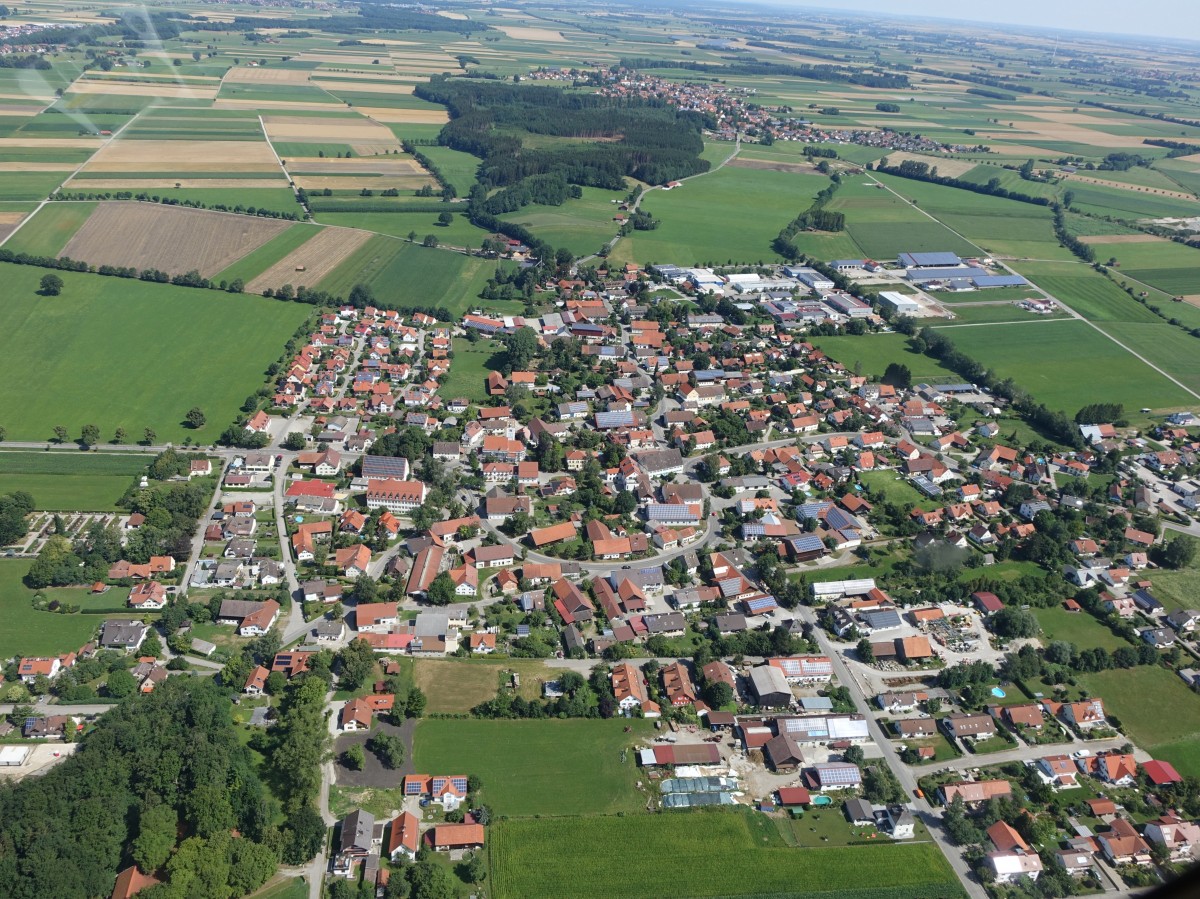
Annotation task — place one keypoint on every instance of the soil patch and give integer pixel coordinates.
(313, 260)
(1121, 238)
(172, 239)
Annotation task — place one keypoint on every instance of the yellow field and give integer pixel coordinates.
(163, 91)
(523, 33)
(260, 75)
(408, 116)
(314, 130)
(184, 155)
(159, 183)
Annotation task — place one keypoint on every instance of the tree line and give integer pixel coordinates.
(815, 218)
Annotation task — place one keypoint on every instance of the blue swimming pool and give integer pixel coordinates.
(998, 693)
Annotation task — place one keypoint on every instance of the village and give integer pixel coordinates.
(677, 505)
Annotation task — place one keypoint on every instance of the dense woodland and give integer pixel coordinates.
(161, 782)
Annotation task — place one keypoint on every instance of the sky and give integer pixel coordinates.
(1169, 18)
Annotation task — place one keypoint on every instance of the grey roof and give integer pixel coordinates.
(999, 281)
(929, 259)
(116, 632)
(881, 619)
(859, 810)
(358, 829)
(768, 682)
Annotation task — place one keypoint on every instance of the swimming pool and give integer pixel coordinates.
(822, 800)
(998, 693)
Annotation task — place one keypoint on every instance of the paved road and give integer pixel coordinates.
(931, 818)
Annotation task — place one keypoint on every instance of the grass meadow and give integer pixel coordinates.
(717, 853)
(70, 481)
(517, 761)
(132, 354)
(470, 369)
(1079, 628)
(29, 632)
(49, 230)
(872, 353)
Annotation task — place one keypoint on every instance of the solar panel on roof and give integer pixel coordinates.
(385, 467)
(613, 419)
(762, 603)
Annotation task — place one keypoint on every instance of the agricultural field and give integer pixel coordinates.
(310, 262)
(258, 261)
(132, 384)
(169, 238)
(1162, 264)
(1068, 364)
(459, 233)
(717, 853)
(50, 228)
(583, 226)
(76, 482)
(514, 759)
(728, 215)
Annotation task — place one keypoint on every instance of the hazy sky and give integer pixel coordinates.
(1171, 18)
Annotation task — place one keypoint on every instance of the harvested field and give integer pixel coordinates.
(763, 165)
(50, 143)
(1178, 195)
(288, 105)
(158, 183)
(1121, 238)
(36, 166)
(260, 75)
(171, 238)
(312, 130)
(365, 165)
(371, 148)
(163, 91)
(953, 168)
(523, 33)
(317, 257)
(183, 155)
(408, 116)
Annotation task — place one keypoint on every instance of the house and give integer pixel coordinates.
(252, 619)
(149, 595)
(1024, 715)
(256, 683)
(1005, 838)
(397, 496)
(498, 556)
(359, 714)
(1058, 770)
(456, 837)
(375, 617)
(1123, 845)
(131, 881)
(974, 791)
(404, 838)
(677, 685)
(482, 644)
(1181, 838)
(915, 728)
(1014, 864)
(630, 691)
(859, 812)
(969, 725)
(30, 670)
(352, 561)
(124, 635)
(1085, 715)
(358, 839)
(783, 753)
(1116, 768)
(833, 776)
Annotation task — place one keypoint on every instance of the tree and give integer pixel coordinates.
(429, 241)
(897, 375)
(195, 418)
(149, 436)
(1014, 622)
(118, 435)
(445, 218)
(121, 684)
(864, 651)
(304, 836)
(60, 434)
(388, 748)
(718, 694)
(155, 839)
(354, 665)
(520, 348)
(441, 591)
(89, 435)
(51, 285)
(354, 758)
(151, 646)
(430, 880)
(1179, 553)
(853, 755)
(475, 871)
(294, 442)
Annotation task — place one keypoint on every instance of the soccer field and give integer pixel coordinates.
(131, 354)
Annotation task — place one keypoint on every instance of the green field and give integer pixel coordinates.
(516, 759)
(1066, 365)
(456, 167)
(459, 233)
(1155, 708)
(49, 230)
(718, 853)
(30, 632)
(871, 353)
(88, 358)
(1169, 266)
(470, 369)
(406, 276)
(971, 314)
(729, 215)
(71, 481)
(895, 489)
(1079, 628)
(583, 226)
(1087, 292)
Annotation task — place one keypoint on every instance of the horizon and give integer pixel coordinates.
(1031, 14)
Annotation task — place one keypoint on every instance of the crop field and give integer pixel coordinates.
(732, 214)
(75, 482)
(872, 353)
(1169, 266)
(255, 263)
(101, 326)
(312, 260)
(515, 759)
(29, 632)
(170, 238)
(48, 232)
(459, 233)
(182, 156)
(1173, 350)
(1067, 364)
(717, 853)
(403, 275)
